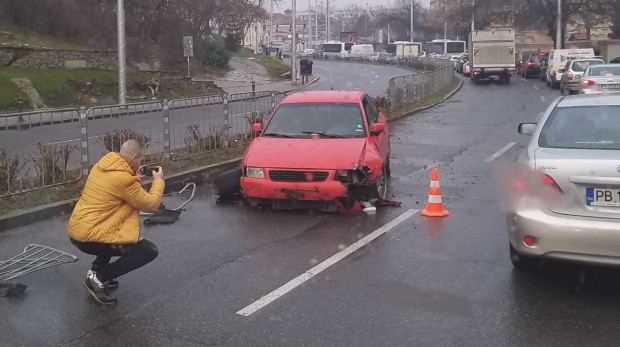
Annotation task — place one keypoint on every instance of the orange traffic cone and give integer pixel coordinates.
(435, 204)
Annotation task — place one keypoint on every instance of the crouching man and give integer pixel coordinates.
(106, 221)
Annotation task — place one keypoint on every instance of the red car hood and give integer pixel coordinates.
(321, 154)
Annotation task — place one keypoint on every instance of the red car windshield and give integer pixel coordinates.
(332, 120)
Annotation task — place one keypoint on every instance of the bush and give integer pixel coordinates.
(233, 42)
(9, 168)
(113, 140)
(383, 103)
(51, 163)
(196, 143)
(213, 52)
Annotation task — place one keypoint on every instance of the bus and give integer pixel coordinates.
(445, 47)
(335, 49)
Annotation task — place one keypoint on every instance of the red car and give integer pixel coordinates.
(319, 149)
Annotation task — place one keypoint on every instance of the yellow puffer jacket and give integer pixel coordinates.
(108, 211)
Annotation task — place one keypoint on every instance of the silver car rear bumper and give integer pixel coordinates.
(562, 237)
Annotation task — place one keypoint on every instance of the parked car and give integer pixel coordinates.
(600, 78)
(572, 211)
(532, 65)
(521, 56)
(574, 69)
(459, 64)
(615, 60)
(345, 142)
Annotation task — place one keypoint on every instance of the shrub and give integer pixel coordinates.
(384, 103)
(233, 42)
(195, 142)
(213, 52)
(9, 168)
(51, 162)
(113, 140)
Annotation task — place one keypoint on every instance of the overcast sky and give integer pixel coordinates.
(302, 5)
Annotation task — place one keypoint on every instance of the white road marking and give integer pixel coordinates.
(542, 98)
(358, 88)
(500, 152)
(536, 87)
(371, 82)
(376, 76)
(271, 297)
(524, 80)
(372, 72)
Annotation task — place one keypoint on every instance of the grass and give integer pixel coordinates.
(275, 67)
(11, 97)
(11, 36)
(73, 190)
(62, 88)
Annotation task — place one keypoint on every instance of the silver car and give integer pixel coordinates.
(600, 79)
(572, 72)
(572, 210)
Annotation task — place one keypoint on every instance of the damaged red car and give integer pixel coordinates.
(319, 149)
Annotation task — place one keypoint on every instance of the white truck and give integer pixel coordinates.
(492, 54)
(406, 49)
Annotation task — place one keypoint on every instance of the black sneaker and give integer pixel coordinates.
(111, 284)
(98, 291)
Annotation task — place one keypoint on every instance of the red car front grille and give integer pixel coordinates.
(297, 176)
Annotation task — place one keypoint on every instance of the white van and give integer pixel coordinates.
(557, 62)
(333, 49)
(362, 51)
(406, 49)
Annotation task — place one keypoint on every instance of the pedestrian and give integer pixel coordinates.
(106, 221)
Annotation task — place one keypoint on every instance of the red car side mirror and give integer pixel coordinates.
(378, 128)
(257, 127)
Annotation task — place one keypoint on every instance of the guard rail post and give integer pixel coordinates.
(166, 129)
(84, 140)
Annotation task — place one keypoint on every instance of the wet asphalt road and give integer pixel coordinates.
(426, 282)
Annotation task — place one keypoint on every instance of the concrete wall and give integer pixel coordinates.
(35, 58)
(609, 49)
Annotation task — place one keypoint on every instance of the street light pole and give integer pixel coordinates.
(558, 30)
(445, 22)
(389, 20)
(411, 28)
(366, 34)
(309, 25)
(316, 23)
(327, 14)
(120, 22)
(271, 24)
(294, 45)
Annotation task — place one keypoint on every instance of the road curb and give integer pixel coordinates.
(65, 207)
(304, 85)
(418, 110)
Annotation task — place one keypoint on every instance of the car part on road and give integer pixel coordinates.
(168, 216)
(9, 290)
(435, 203)
(33, 258)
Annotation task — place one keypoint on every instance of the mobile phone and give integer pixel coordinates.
(148, 171)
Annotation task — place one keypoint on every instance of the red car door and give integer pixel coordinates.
(373, 115)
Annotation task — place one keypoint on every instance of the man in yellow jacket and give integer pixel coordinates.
(106, 220)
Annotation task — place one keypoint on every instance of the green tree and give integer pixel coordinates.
(213, 52)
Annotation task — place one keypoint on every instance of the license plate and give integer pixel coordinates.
(610, 86)
(603, 197)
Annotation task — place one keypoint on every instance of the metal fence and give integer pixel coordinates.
(45, 148)
(434, 75)
(51, 147)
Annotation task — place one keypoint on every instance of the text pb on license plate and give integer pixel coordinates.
(610, 86)
(603, 197)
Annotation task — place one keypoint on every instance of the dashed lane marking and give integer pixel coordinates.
(297, 281)
(500, 152)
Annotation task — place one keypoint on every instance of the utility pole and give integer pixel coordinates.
(120, 22)
(389, 20)
(271, 24)
(294, 45)
(558, 30)
(309, 25)
(473, 15)
(316, 23)
(366, 34)
(327, 14)
(411, 28)
(445, 22)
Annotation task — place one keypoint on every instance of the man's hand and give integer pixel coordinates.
(140, 171)
(159, 173)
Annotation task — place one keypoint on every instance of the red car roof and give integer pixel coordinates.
(338, 96)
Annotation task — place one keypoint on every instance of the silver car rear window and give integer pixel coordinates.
(604, 70)
(588, 127)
